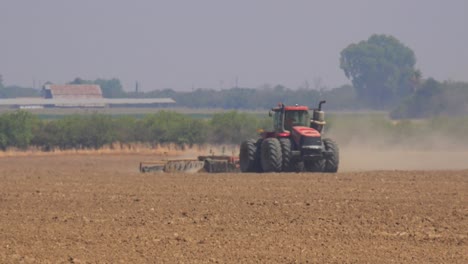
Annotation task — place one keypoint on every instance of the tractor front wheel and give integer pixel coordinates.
(315, 165)
(271, 156)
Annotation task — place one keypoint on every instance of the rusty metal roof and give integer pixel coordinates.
(83, 101)
(74, 91)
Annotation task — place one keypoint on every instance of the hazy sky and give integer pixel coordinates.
(208, 43)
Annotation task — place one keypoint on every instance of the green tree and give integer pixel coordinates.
(434, 98)
(425, 102)
(171, 127)
(111, 88)
(381, 69)
(15, 91)
(16, 129)
(47, 135)
(76, 132)
(78, 80)
(233, 127)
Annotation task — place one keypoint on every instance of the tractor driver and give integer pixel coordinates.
(289, 123)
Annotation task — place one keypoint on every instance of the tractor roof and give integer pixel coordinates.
(292, 108)
(296, 108)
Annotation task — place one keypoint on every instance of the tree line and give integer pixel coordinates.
(237, 97)
(21, 129)
(434, 98)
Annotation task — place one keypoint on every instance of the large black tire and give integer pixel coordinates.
(298, 166)
(247, 156)
(286, 154)
(258, 155)
(317, 165)
(332, 161)
(271, 157)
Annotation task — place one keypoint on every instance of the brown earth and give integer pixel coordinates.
(97, 208)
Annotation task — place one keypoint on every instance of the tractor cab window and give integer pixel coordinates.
(277, 121)
(296, 118)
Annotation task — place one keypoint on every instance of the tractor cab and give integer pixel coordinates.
(287, 117)
(295, 144)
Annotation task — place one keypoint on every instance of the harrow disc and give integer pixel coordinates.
(187, 166)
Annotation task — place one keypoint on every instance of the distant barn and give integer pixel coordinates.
(72, 91)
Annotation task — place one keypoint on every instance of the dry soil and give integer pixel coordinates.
(397, 207)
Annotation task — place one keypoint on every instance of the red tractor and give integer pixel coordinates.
(296, 144)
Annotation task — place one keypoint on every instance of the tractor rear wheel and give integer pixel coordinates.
(247, 156)
(332, 161)
(271, 156)
(286, 154)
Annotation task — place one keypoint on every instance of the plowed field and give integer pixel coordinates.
(99, 209)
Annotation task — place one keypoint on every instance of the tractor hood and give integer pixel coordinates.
(305, 131)
(306, 137)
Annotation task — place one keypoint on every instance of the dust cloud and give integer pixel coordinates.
(355, 158)
(425, 149)
(365, 157)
